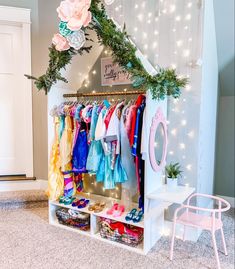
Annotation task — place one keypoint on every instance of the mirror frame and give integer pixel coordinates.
(156, 121)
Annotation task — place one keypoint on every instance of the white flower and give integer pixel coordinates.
(77, 39)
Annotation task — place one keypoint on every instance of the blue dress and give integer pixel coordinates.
(95, 150)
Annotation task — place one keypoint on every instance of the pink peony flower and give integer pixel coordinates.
(60, 42)
(75, 13)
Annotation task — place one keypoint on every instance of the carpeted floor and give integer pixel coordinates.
(27, 241)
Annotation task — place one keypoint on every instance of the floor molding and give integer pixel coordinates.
(231, 200)
(23, 185)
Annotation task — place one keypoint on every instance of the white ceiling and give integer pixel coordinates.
(224, 19)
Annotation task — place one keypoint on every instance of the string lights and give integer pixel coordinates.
(167, 32)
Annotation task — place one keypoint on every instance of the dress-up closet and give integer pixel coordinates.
(152, 199)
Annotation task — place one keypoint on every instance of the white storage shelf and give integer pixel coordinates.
(94, 218)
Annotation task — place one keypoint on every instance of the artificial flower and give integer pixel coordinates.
(63, 29)
(76, 13)
(77, 39)
(60, 42)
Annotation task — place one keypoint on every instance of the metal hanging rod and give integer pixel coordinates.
(70, 95)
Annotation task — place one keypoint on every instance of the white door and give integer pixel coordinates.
(14, 128)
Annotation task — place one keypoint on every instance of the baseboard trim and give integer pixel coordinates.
(23, 185)
(231, 200)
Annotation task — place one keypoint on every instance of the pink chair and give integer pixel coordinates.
(211, 221)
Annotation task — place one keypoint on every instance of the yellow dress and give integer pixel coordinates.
(55, 177)
(66, 145)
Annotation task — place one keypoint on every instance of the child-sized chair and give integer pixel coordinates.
(211, 221)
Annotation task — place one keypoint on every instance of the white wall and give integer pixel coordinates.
(208, 108)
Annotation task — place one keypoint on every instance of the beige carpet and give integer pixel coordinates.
(23, 199)
(27, 241)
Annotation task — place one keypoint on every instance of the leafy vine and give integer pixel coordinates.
(164, 83)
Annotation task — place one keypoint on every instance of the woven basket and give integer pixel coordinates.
(113, 234)
(64, 217)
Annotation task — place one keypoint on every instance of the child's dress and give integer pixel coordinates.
(55, 177)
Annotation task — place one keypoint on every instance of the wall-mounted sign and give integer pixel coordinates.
(112, 73)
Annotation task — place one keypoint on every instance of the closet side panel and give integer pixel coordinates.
(153, 180)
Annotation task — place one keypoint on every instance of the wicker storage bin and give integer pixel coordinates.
(73, 218)
(120, 232)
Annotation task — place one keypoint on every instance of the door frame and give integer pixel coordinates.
(14, 16)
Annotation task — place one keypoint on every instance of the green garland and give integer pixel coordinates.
(164, 83)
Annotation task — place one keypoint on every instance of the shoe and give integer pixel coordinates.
(119, 211)
(111, 210)
(62, 199)
(97, 207)
(131, 214)
(83, 203)
(69, 200)
(75, 202)
(137, 218)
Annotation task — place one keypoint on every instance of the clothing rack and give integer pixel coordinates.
(93, 94)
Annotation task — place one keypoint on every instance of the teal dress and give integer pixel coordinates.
(95, 150)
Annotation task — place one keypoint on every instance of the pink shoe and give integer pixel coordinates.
(112, 209)
(119, 211)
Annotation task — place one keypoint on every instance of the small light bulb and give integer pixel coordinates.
(140, 17)
(189, 4)
(188, 88)
(172, 8)
(179, 43)
(182, 146)
(189, 167)
(178, 18)
(173, 132)
(186, 53)
(183, 122)
(191, 134)
(154, 45)
(188, 17)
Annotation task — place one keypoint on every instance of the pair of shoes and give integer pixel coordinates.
(116, 210)
(97, 207)
(80, 203)
(66, 200)
(134, 215)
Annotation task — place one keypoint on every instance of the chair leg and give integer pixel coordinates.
(184, 235)
(223, 240)
(172, 241)
(216, 250)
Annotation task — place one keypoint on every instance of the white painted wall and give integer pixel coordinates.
(208, 104)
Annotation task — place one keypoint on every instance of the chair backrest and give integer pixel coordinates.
(220, 201)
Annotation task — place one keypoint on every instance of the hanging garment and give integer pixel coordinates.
(66, 144)
(141, 98)
(80, 153)
(69, 185)
(55, 177)
(113, 170)
(78, 180)
(136, 151)
(95, 150)
(127, 161)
